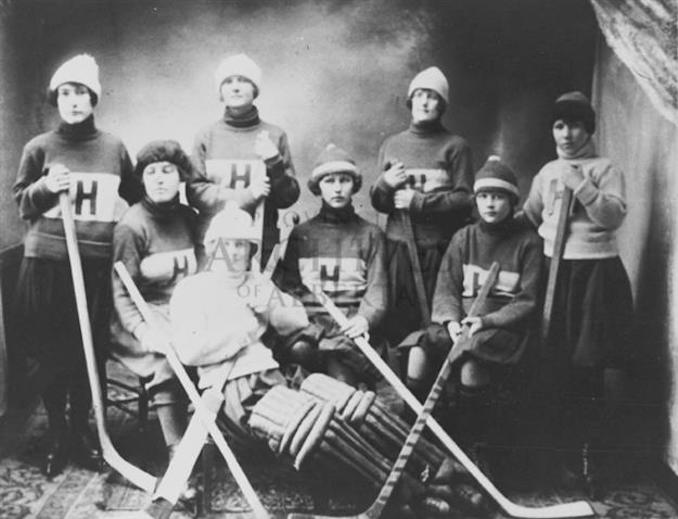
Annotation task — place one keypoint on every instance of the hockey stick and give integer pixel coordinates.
(562, 510)
(556, 257)
(377, 508)
(202, 411)
(416, 269)
(133, 473)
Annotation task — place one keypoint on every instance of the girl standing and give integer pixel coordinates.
(95, 169)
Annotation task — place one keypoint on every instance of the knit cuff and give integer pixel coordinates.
(40, 194)
(417, 203)
(382, 185)
(586, 192)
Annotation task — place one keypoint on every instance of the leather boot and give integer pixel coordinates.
(85, 448)
(57, 454)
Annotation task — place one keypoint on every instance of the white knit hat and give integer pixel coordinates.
(433, 79)
(231, 223)
(82, 69)
(238, 65)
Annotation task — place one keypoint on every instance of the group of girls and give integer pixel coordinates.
(241, 168)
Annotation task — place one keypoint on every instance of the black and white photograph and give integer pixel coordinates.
(352, 259)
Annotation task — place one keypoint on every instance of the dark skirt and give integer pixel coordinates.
(403, 315)
(47, 317)
(592, 320)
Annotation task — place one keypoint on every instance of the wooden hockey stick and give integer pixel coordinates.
(416, 269)
(561, 510)
(556, 257)
(377, 508)
(133, 473)
(201, 410)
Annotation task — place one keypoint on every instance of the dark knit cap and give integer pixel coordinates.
(496, 176)
(164, 151)
(333, 160)
(575, 106)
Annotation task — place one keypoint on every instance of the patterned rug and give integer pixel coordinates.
(80, 494)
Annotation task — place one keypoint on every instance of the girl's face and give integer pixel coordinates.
(74, 102)
(161, 181)
(227, 255)
(336, 189)
(237, 92)
(493, 206)
(570, 136)
(425, 105)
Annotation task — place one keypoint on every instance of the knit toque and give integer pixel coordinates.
(238, 65)
(432, 79)
(231, 223)
(164, 151)
(81, 69)
(575, 106)
(495, 175)
(333, 160)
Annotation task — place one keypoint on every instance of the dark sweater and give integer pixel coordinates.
(156, 243)
(341, 254)
(464, 269)
(225, 150)
(103, 173)
(440, 169)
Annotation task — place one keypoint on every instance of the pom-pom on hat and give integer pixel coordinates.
(82, 69)
(433, 79)
(231, 223)
(333, 160)
(238, 65)
(164, 151)
(495, 175)
(575, 106)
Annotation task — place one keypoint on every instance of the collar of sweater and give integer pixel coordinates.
(427, 127)
(498, 229)
(81, 131)
(329, 214)
(246, 120)
(161, 210)
(587, 151)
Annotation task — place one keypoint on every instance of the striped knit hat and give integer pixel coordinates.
(495, 175)
(333, 160)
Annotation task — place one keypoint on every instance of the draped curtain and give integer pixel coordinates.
(644, 35)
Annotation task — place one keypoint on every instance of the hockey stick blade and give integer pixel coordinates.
(558, 511)
(131, 472)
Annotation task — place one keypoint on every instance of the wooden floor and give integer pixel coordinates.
(79, 494)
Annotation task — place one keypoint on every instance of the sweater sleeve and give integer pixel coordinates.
(284, 185)
(381, 193)
(458, 198)
(604, 198)
(374, 302)
(131, 189)
(447, 297)
(128, 247)
(201, 192)
(29, 190)
(286, 275)
(534, 204)
(524, 303)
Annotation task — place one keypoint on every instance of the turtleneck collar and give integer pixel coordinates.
(331, 215)
(427, 127)
(81, 131)
(163, 209)
(249, 118)
(587, 151)
(499, 228)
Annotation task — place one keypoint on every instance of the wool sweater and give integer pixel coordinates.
(598, 209)
(440, 170)
(341, 254)
(225, 161)
(218, 321)
(465, 266)
(103, 186)
(156, 243)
